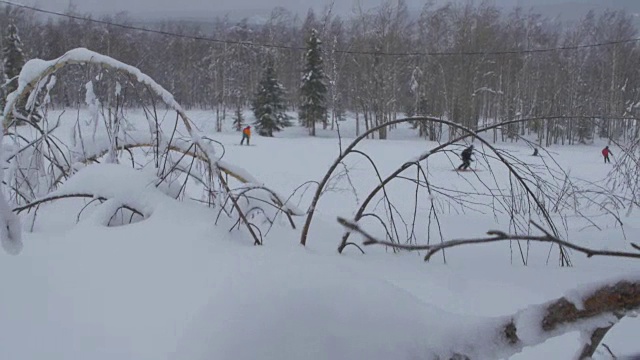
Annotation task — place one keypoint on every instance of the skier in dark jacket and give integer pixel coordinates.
(466, 158)
(605, 154)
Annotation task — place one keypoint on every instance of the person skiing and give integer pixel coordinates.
(466, 158)
(605, 154)
(246, 134)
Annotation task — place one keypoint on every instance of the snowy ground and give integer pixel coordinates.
(175, 286)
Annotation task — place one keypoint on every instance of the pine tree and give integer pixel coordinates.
(313, 90)
(13, 60)
(13, 55)
(13, 63)
(268, 106)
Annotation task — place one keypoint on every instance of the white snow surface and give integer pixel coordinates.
(177, 286)
(135, 188)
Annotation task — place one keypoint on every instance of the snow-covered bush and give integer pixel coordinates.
(184, 161)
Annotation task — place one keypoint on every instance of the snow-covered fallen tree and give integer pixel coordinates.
(591, 310)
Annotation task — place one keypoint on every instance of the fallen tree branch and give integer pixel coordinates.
(356, 245)
(600, 307)
(562, 316)
(22, 208)
(242, 216)
(496, 235)
(595, 339)
(170, 147)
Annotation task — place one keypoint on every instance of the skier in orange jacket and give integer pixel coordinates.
(246, 134)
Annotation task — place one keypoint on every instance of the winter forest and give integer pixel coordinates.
(386, 62)
(459, 182)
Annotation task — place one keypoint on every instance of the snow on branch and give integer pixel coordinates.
(495, 235)
(36, 73)
(143, 140)
(134, 140)
(601, 308)
(592, 310)
(36, 70)
(38, 202)
(133, 189)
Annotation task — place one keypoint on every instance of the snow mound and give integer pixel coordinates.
(127, 186)
(263, 310)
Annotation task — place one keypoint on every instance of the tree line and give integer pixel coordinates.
(473, 64)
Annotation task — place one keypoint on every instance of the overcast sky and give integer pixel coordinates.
(203, 8)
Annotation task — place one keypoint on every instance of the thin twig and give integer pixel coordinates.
(613, 356)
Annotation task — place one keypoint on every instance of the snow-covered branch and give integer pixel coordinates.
(36, 70)
(38, 202)
(597, 308)
(54, 167)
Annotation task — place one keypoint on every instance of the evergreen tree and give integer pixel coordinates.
(13, 62)
(268, 106)
(13, 55)
(313, 90)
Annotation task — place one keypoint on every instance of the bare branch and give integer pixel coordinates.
(36, 203)
(354, 244)
(609, 351)
(528, 187)
(496, 235)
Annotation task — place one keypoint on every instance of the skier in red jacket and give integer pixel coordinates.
(605, 154)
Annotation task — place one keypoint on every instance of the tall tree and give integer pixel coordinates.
(13, 58)
(313, 90)
(268, 106)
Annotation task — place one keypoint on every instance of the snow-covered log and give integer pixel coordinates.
(591, 311)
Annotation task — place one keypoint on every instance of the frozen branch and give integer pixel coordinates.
(36, 203)
(495, 235)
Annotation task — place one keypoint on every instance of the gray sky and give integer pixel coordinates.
(204, 8)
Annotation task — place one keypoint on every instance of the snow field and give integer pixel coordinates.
(175, 286)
